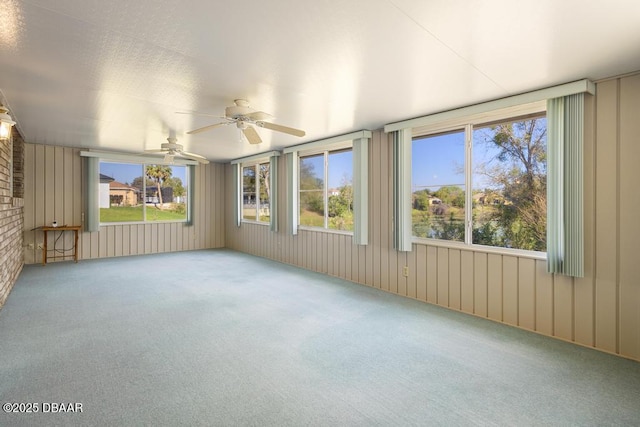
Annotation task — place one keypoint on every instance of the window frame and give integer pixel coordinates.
(270, 158)
(359, 142)
(255, 165)
(325, 151)
(144, 163)
(92, 182)
(467, 124)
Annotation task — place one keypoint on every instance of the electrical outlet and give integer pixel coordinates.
(30, 246)
(39, 245)
(405, 271)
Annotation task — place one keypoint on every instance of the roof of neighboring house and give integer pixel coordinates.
(105, 178)
(115, 185)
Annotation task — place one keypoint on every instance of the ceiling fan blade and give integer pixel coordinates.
(259, 115)
(206, 128)
(280, 128)
(252, 135)
(195, 113)
(155, 150)
(193, 156)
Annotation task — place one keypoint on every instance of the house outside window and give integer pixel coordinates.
(137, 192)
(482, 183)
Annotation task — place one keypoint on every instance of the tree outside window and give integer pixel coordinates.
(507, 166)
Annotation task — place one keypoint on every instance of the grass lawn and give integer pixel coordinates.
(134, 213)
(312, 219)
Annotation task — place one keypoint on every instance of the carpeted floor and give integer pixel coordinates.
(222, 338)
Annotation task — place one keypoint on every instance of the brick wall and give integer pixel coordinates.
(11, 219)
(18, 165)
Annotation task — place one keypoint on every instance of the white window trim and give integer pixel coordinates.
(514, 101)
(131, 158)
(358, 142)
(255, 164)
(253, 160)
(94, 157)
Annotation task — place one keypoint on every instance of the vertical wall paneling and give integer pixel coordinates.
(432, 274)
(480, 283)
(494, 287)
(67, 182)
(29, 240)
(606, 212)
(94, 244)
(527, 293)
(58, 186)
(412, 290)
(467, 296)
(563, 307)
(510, 289)
(544, 299)
(585, 287)
(348, 260)
(443, 277)
(454, 279)
(402, 280)
(362, 263)
(49, 185)
(78, 216)
(375, 194)
(629, 212)
(40, 191)
(118, 241)
(421, 272)
(126, 240)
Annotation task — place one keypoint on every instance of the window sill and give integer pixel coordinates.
(480, 248)
(107, 224)
(249, 221)
(325, 230)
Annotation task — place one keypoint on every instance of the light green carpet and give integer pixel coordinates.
(222, 338)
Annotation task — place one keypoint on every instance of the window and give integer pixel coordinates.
(134, 192)
(503, 163)
(256, 193)
(510, 184)
(438, 186)
(326, 190)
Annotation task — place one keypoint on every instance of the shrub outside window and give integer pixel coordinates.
(135, 192)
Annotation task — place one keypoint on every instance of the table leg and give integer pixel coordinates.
(44, 249)
(75, 246)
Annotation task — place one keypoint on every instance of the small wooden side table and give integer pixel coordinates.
(62, 228)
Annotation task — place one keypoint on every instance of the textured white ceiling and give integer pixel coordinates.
(112, 74)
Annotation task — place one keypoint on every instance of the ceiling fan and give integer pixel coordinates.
(245, 118)
(172, 149)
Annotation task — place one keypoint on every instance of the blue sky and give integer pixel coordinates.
(438, 161)
(340, 168)
(127, 172)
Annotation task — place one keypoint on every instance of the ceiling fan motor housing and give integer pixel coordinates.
(172, 145)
